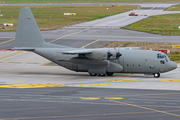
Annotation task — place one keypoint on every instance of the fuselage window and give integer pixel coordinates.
(162, 62)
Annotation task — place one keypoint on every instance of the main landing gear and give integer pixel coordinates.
(156, 75)
(95, 74)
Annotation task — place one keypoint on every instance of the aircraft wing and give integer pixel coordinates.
(81, 51)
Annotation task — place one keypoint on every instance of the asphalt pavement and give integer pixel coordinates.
(79, 103)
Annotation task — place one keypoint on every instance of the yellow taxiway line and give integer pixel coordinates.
(170, 80)
(43, 85)
(164, 112)
(89, 44)
(68, 35)
(122, 80)
(89, 98)
(11, 55)
(7, 41)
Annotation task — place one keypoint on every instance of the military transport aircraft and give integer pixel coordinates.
(101, 62)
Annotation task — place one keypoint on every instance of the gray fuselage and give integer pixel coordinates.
(131, 61)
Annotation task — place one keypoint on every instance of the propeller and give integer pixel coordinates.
(109, 55)
(118, 54)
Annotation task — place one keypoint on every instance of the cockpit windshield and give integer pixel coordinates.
(163, 56)
(167, 58)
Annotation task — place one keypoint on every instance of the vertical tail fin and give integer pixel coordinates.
(28, 33)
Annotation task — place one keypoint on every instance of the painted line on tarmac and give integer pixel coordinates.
(46, 63)
(154, 110)
(44, 85)
(68, 35)
(113, 98)
(22, 62)
(97, 98)
(11, 55)
(122, 80)
(9, 50)
(89, 98)
(169, 80)
(149, 94)
(92, 27)
(148, 10)
(7, 41)
(89, 44)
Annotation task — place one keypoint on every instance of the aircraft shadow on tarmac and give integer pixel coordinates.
(86, 75)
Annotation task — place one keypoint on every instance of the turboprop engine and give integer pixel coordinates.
(104, 54)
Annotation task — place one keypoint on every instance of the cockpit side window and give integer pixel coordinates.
(162, 61)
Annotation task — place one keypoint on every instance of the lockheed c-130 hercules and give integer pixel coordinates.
(101, 61)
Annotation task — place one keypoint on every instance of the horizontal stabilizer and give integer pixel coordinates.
(21, 48)
(80, 51)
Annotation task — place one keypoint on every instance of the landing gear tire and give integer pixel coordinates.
(109, 74)
(92, 74)
(156, 75)
(102, 75)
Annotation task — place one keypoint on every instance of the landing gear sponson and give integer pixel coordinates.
(156, 75)
(95, 74)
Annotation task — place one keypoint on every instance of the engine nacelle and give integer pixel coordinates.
(104, 54)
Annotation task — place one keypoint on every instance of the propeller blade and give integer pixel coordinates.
(118, 54)
(109, 55)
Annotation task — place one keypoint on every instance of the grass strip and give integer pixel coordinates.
(84, 1)
(174, 8)
(159, 24)
(52, 17)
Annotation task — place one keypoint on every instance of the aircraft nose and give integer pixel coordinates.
(172, 65)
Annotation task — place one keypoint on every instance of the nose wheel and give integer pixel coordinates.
(156, 75)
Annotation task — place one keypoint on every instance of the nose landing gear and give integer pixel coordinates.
(156, 75)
